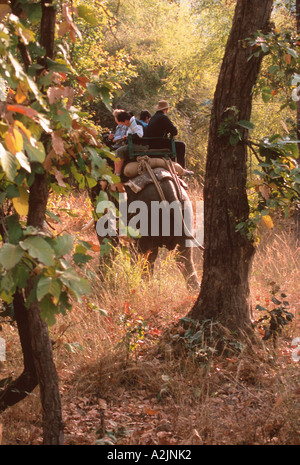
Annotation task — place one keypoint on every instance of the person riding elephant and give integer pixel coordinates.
(126, 119)
(144, 119)
(117, 138)
(161, 126)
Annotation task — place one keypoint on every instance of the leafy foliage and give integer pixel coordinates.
(282, 64)
(276, 185)
(273, 321)
(44, 131)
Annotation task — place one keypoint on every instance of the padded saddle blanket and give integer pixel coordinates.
(140, 182)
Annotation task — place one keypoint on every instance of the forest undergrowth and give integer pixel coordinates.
(124, 381)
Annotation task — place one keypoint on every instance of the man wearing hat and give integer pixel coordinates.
(161, 126)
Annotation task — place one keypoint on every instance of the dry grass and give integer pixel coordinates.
(122, 386)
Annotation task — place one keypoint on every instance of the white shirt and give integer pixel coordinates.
(135, 128)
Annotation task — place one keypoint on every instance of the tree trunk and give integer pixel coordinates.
(40, 341)
(297, 211)
(47, 378)
(228, 254)
(41, 347)
(27, 381)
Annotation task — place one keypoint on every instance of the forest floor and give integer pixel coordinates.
(124, 381)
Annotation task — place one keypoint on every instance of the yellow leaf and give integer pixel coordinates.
(21, 203)
(14, 140)
(267, 221)
(22, 94)
(23, 128)
(289, 163)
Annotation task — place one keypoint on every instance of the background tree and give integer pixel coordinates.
(228, 254)
(177, 59)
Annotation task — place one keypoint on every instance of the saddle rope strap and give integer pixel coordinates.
(144, 165)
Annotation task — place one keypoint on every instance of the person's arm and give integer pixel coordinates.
(170, 127)
(120, 133)
(136, 128)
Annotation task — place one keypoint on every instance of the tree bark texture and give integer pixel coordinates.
(39, 367)
(297, 211)
(47, 378)
(48, 27)
(40, 340)
(27, 381)
(228, 254)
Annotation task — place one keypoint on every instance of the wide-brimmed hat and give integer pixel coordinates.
(162, 105)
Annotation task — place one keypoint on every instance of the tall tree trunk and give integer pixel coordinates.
(40, 340)
(38, 355)
(297, 211)
(228, 254)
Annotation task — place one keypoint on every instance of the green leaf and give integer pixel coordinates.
(102, 197)
(105, 96)
(48, 310)
(245, 124)
(12, 191)
(261, 308)
(93, 89)
(9, 163)
(7, 283)
(10, 255)
(234, 139)
(14, 229)
(80, 258)
(33, 12)
(64, 303)
(48, 285)
(63, 245)
(64, 118)
(275, 301)
(87, 14)
(52, 216)
(39, 248)
(21, 275)
(58, 67)
(76, 284)
(35, 153)
(266, 94)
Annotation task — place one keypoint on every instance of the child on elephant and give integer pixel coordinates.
(126, 119)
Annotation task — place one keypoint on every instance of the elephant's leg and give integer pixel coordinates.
(186, 265)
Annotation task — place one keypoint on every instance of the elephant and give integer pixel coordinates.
(162, 214)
